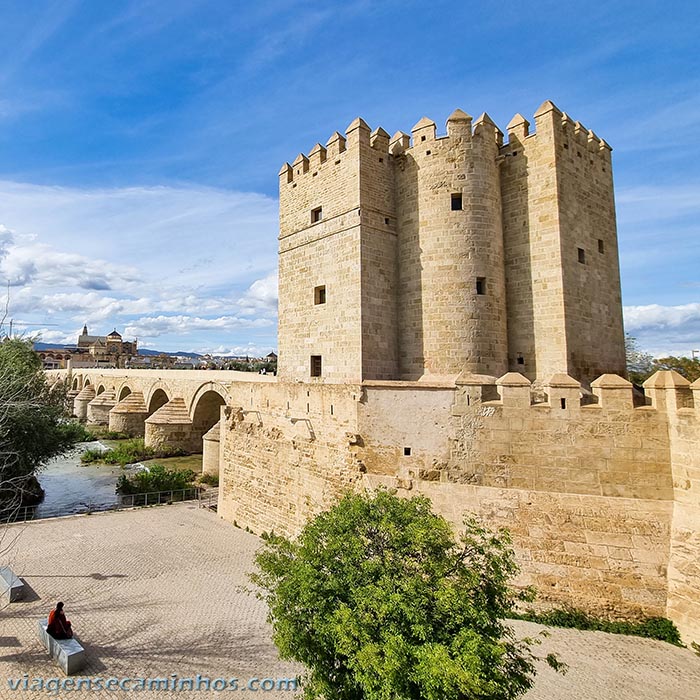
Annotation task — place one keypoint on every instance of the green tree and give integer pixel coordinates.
(640, 364)
(690, 369)
(379, 601)
(32, 424)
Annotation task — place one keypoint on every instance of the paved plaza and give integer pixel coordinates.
(158, 591)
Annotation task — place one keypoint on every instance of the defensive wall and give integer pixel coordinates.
(601, 496)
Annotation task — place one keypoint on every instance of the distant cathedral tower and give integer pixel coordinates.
(417, 256)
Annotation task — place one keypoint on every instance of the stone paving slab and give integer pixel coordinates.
(158, 591)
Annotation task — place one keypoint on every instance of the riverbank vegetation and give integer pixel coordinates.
(34, 425)
(128, 452)
(156, 478)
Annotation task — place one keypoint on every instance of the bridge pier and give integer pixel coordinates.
(129, 416)
(70, 399)
(211, 443)
(98, 409)
(81, 401)
(171, 425)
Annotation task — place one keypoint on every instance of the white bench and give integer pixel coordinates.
(67, 653)
(10, 585)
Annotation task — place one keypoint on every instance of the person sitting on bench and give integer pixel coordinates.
(59, 627)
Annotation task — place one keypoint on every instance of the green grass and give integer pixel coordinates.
(193, 462)
(653, 627)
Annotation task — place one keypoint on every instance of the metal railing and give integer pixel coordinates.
(209, 498)
(124, 501)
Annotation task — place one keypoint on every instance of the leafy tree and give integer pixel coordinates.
(640, 364)
(33, 427)
(380, 602)
(690, 369)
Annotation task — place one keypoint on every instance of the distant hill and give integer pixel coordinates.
(53, 346)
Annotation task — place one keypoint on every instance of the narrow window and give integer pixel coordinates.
(481, 285)
(331, 409)
(563, 403)
(582, 256)
(387, 221)
(320, 294)
(456, 201)
(406, 451)
(316, 215)
(316, 365)
(601, 246)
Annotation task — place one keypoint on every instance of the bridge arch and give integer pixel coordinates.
(76, 383)
(123, 391)
(100, 389)
(158, 395)
(205, 407)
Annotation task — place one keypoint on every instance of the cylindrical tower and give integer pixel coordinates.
(452, 312)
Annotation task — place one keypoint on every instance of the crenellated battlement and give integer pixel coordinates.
(665, 391)
(549, 117)
(459, 125)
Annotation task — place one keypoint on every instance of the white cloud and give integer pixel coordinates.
(155, 326)
(657, 316)
(261, 296)
(665, 330)
(158, 262)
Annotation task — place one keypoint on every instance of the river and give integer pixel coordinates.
(71, 487)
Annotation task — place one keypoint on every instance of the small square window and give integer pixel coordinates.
(481, 285)
(320, 294)
(601, 246)
(406, 451)
(456, 201)
(520, 359)
(316, 365)
(582, 256)
(316, 215)
(422, 138)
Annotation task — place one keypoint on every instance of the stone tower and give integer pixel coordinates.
(419, 257)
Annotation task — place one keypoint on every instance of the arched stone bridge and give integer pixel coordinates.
(179, 407)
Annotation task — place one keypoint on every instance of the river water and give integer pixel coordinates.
(73, 488)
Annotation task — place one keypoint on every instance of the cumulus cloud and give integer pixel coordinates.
(665, 330)
(261, 296)
(657, 316)
(157, 262)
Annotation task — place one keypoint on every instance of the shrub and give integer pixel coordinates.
(211, 479)
(653, 627)
(156, 478)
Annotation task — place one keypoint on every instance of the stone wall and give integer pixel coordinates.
(587, 491)
(684, 565)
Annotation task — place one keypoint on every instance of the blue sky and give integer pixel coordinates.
(140, 143)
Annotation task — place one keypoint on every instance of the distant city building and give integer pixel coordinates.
(92, 351)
